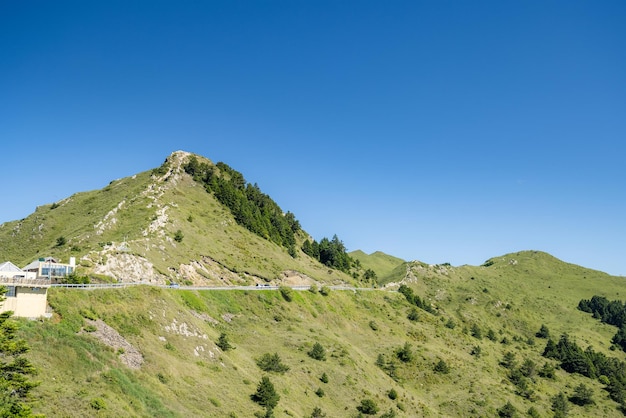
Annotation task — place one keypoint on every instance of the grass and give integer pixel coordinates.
(117, 227)
(194, 377)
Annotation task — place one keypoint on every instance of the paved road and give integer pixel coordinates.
(92, 286)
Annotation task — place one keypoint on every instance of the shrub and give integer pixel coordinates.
(442, 367)
(389, 414)
(373, 325)
(286, 292)
(97, 404)
(476, 332)
(392, 394)
(223, 342)
(317, 352)
(90, 328)
(271, 363)
(368, 407)
(533, 413)
(508, 361)
(413, 315)
(507, 410)
(543, 332)
(324, 378)
(450, 324)
(313, 288)
(559, 405)
(319, 392)
(405, 353)
(317, 413)
(325, 291)
(582, 396)
(178, 236)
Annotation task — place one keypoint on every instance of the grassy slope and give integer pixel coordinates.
(512, 299)
(382, 264)
(127, 207)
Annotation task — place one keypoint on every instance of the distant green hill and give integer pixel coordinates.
(382, 264)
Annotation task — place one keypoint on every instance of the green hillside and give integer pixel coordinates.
(420, 341)
(157, 226)
(382, 264)
(479, 315)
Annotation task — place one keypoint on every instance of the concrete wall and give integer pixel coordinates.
(29, 302)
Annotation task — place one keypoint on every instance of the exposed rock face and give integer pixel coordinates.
(130, 356)
(128, 268)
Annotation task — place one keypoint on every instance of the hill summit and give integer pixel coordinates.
(167, 225)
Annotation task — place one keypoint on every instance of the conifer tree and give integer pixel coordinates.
(14, 368)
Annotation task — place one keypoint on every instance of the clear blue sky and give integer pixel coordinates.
(442, 131)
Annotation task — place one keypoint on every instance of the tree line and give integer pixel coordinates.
(330, 252)
(594, 365)
(609, 312)
(251, 208)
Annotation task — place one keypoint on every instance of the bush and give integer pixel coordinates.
(582, 396)
(507, 410)
(442, 367)
(90, 328)
(413, 315)
(271, 363)
(559, 405)
(286, 292)
(476, 332)
(317, 352)
(324, 378)
(325, 291)
(405, 353)
(389, 414)
(178, 237)
(392, 394)
(97, 404)
(317, 413)
(508, 361)
(319, 392)
(313, 288)
(373, 325)
(223, 342)
(368, 407)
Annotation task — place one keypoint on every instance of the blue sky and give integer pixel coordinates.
(442, 131)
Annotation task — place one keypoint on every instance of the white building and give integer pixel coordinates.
(26, 294)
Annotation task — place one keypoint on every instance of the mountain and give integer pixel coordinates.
(158, 226)
(502, 339)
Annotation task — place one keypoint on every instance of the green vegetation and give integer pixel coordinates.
(223, 342)
(272, 363)
(15, 369)
(251, 208)
(452, 341)
(265, 394)
(317, 352)
(331, 253)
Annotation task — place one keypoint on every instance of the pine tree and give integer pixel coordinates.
(14, 368)
(266, 394)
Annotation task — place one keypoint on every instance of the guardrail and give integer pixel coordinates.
(91, 286)
(24, 282)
